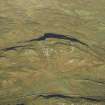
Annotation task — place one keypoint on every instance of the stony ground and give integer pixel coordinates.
(44, 73)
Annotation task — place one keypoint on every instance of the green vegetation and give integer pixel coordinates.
(42, 67)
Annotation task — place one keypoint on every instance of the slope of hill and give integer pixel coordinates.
(45, 73)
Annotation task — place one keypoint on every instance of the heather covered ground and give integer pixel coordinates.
(45, 73)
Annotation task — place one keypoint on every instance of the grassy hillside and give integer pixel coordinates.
(43, 67)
